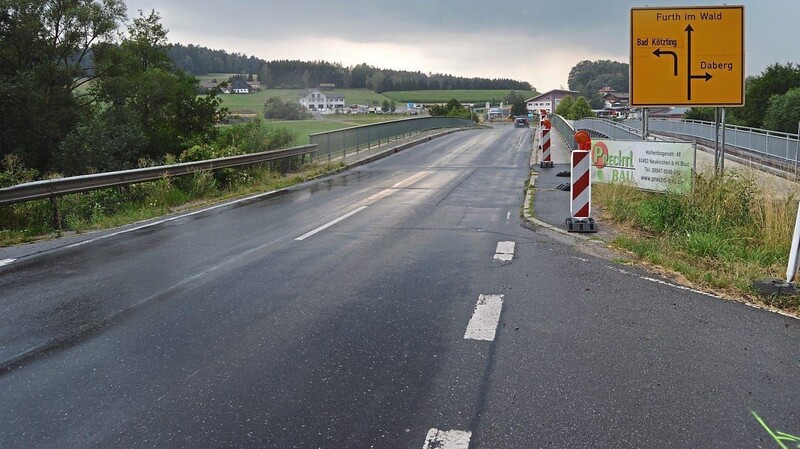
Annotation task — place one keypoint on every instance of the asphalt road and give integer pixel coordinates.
(402, 304)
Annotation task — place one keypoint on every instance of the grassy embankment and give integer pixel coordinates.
(726, 234)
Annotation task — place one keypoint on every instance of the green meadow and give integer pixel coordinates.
(443, 96)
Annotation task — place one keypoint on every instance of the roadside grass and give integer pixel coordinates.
(462, 95)
(113, 207)
(726, 234)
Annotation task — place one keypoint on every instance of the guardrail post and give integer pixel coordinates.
(56, 215)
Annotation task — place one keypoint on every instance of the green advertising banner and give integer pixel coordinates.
(656, 166)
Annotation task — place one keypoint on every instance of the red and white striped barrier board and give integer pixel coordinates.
(580, 205)
(547, 160)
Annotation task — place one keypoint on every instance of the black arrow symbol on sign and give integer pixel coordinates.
(707, 76)
(689, 30)
(690, 77)
(658, 53)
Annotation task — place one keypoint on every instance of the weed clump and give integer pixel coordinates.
(725, 233)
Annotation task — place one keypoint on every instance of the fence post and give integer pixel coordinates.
(56, 216)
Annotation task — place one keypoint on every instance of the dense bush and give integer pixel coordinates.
(276, 109)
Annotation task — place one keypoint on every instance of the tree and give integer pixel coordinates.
(45, 56)
(588, 77)
(513, 97)
(386, 106)
(275, 108)
(783, 112)
(145, 83)
(517, 102)
(564, 108)
(699, 113)
(776, 79)
(111, 139)
(580, 109)
(264, 75)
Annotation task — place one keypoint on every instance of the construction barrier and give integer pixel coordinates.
(547, 161)
(580, 205)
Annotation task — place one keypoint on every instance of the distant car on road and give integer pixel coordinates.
(521, 122)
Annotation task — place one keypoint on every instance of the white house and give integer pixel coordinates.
(549, 100)
(316, 100)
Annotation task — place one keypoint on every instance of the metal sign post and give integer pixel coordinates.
(722, 147)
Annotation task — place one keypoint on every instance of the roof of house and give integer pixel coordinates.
(329, 95)
(551, 92)
(620, 95)
(238, 83)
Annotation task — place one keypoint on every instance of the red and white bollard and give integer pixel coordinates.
(547, 161)
(580, 204)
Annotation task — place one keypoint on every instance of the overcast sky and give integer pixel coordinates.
(529, 40)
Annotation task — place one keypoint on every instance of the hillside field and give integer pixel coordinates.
(254, 103)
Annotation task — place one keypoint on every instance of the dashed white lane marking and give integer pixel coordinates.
(447, 439)
(508, 215)
(330, 223)
(505, 251)
(380, 195)
(404, 183)
(5, 262)
(483, 324)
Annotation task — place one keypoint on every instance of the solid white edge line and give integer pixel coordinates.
(330, 223)
(447, 439)
(483, 324)
(5, 262)
(700, 292)
(167, 220)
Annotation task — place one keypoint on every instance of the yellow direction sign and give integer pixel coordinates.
(687, 56)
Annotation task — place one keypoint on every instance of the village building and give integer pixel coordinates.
(316, 100)
(612, 98)
(549, 100)
(239, 86)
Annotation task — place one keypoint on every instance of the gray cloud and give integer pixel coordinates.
(537, 40)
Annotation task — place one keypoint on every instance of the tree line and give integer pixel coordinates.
(295, 74)
(588, 77)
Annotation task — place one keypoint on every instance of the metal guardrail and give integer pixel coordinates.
(566, 129)
(53, 188)
(358, 137)
(768, 143)
(598, 127)
(609, 129)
